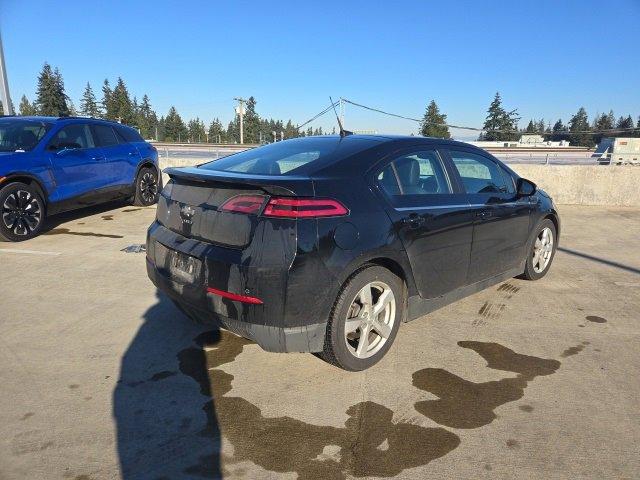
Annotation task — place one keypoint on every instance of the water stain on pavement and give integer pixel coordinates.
(107, 217)
(369, 444)
(465, 404)
(66, 231)
(132, 209)
(595, 319)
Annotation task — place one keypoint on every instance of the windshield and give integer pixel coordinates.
(18, 135)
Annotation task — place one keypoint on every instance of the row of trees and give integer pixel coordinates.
(117, 104)
(502, 125)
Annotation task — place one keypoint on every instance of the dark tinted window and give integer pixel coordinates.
(508, 179)
(291, 157)
(20, 135)
(127, 134)
(479, 174)
(105, 136)
(419, 173)
(72, 136)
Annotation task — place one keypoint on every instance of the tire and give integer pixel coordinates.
(343, 349)
(533, 269)
(22, 212)
(147, 187)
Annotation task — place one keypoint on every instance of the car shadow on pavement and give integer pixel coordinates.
(604, 261)
(54, 221)
(157, 410)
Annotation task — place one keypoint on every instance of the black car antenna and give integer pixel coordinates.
(343, 132)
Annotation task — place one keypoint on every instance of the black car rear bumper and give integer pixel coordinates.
(227, 270)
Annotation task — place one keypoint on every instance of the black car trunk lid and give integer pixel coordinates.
(190, 205)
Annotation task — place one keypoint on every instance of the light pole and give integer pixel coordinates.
(240, 112)
(4, 85)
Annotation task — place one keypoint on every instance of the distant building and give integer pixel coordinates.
(527, 140)
(619, 151)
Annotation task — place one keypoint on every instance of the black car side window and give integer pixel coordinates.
(416, 173)
(479, 174)
(72, 137)
(105, 136)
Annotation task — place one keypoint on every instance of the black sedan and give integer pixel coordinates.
(326, 244)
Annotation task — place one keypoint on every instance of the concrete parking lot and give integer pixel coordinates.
(102, 378)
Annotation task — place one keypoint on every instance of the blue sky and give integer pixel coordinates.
(547, 58)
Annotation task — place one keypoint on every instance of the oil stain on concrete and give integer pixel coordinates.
(369, 444)
(465, 404)
(595, 319)
(66, 231)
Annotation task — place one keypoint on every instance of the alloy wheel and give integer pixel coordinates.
(148, 187)
(21, 212)
(542, 250)
(370, 319)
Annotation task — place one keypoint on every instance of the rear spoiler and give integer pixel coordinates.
(286, 185)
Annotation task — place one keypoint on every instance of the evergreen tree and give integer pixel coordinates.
(290, 131)
(216, 132)
(51, 98)
(603, 122)
(108, 107)
(580, 123)
(251, 122)
(196, 130)
(174, 128)
(531, 128)
(434, 123)
(558, 132)
(500, 125)
(88, 103)
(233, 131)
(146, 118)
(25, 107)
(623, 124)
(121, 104)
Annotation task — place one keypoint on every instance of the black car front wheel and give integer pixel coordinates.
(147, 187)
(365, 319)
(21, 212)
(542, 251)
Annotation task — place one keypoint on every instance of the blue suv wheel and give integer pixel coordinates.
(21, 212)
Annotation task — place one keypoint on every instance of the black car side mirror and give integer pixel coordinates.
(526, 187)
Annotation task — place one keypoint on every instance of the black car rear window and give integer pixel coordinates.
(287, 158)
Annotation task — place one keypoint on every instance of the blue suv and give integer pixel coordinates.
(49, 165)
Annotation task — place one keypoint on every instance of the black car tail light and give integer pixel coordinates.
(304, 208)
(251, 204)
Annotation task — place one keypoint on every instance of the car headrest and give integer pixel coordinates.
(409, 171)
(27, 137)
(274, 168)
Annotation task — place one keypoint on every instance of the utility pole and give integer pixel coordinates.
(240, 112)
(4, 85)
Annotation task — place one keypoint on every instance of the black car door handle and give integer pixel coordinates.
(484, 214)
(414, 220)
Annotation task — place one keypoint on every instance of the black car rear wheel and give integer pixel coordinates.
(365, 319)
(147, 187)
(21, 212)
